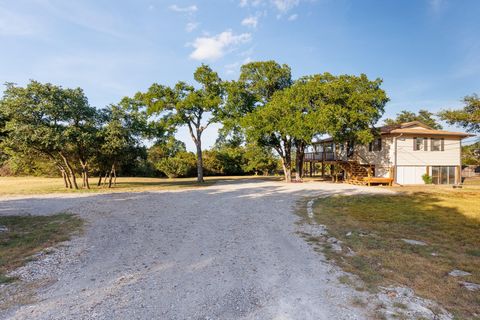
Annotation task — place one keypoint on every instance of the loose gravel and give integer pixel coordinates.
(228, 251)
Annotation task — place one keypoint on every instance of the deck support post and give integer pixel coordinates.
(311, 168)
(323, 169)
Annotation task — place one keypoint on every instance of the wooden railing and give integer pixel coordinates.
(320, 156)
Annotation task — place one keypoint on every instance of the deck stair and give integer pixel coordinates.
(355, 171)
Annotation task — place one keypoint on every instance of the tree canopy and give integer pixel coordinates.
(183, 104)
(468, 117)
(423, 115)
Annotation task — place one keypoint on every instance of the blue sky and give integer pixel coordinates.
(426, 51)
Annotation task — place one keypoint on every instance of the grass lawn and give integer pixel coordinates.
(447, 219)
(37, 185)
(29, 235)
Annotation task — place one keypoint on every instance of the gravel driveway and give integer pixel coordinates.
(228, 251)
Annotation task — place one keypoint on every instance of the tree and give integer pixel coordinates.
(468, 117)
(259, 159)
(39, 119)
(423, 115)
(120, 140)
(185, 105)
(345, 107)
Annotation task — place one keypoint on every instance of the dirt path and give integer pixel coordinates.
(228, 251)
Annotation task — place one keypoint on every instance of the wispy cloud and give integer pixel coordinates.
(191, 26)
(187, 9)
(437, 6)
(83, 15)
(215, 47)
(14, 24)
(250, 22)
(293, 17)
(285, 5)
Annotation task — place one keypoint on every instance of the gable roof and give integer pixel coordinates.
(413, 128)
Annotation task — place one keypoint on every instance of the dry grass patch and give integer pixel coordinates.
(448, 220)
(38, 185)
(28, 235)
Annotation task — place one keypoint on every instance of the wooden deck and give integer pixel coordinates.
(368, 181)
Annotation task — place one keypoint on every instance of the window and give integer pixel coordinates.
(376, 145)
(420, 144)
(443, 174)
(436, 144)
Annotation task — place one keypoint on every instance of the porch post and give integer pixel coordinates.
(311, 168)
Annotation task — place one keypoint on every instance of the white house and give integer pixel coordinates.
(401, 154)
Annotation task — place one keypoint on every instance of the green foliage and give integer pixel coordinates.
(471, 154)
(259, 159)
(183, 104)
(181, 165)
(427, 179)
(224, 161)
(468, 117)
(423, 116)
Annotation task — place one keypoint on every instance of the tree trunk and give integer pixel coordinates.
(105, 179)
(70, 170)
(110, 177)
(199, 160)
(300, 154)
(85, 183)
(99, 179)
(287, 169)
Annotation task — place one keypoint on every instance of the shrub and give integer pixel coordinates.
(427, 179)
(183, 164)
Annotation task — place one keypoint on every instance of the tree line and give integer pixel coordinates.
(267, 118)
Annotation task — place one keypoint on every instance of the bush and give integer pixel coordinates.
(427, 179)
(182, 165)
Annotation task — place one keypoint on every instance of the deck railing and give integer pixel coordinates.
(320, 156)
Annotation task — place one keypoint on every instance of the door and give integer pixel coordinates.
(443, 174)
(410, 174)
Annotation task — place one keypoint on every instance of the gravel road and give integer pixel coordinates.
(228, 251)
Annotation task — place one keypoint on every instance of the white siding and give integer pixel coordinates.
(410, 174)
(383, 160)
(407, 156)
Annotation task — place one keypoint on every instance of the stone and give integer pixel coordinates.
(3, 229)
(335, 244)
(470, 286)
(414, 242)
(459, 273)
(349, 234)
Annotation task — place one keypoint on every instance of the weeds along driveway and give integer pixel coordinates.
(227, 251)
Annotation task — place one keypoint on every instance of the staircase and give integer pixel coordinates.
(355, 171)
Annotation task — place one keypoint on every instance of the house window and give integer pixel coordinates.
(443, 174)
(436, 144)
(376, 145)
(420, 144)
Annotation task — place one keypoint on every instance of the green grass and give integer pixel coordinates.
(447, 219)
(28, 235)
(38, 185)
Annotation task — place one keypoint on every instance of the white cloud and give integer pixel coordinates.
(215, 47)
(293, 17)
(188, 9)
(250, 21)
(285, 5)
(253, 3)
(191, 26)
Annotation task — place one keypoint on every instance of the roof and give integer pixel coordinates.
(412, 128)
(431, 132)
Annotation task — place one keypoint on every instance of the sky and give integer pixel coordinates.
(426, 51)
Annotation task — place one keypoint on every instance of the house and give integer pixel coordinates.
(400, 154)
